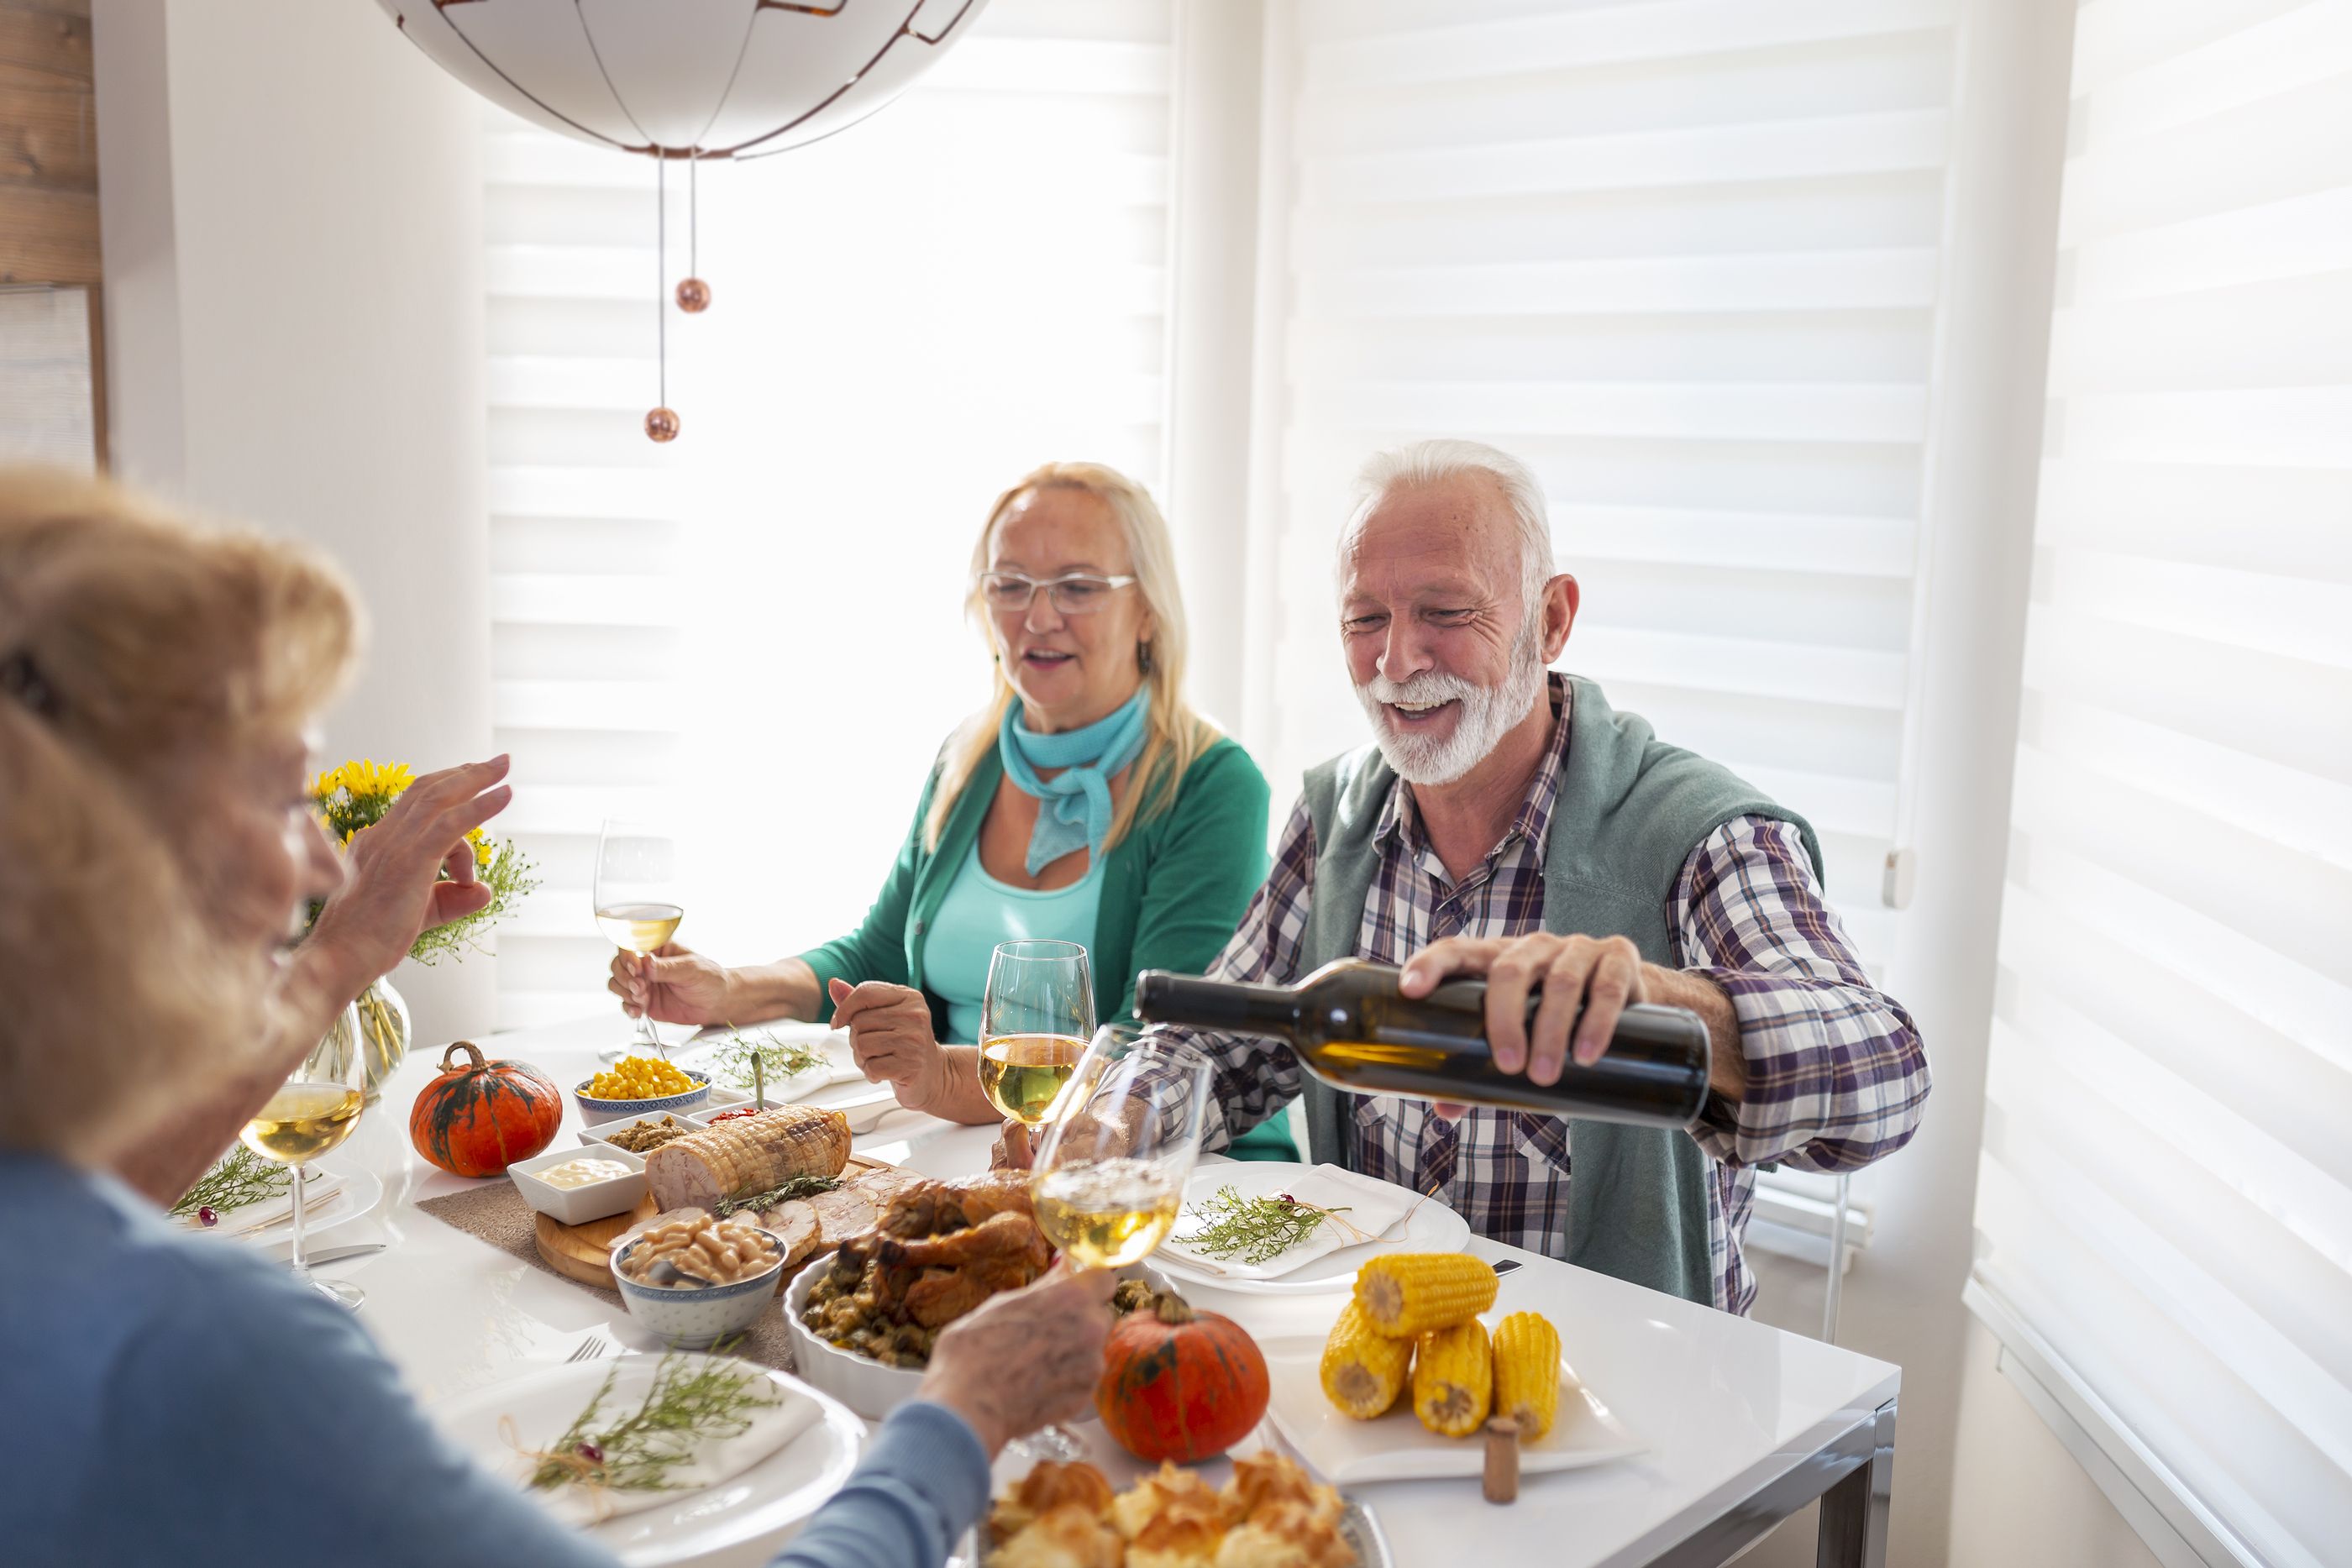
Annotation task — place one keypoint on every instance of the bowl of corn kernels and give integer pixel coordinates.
(638, 1086)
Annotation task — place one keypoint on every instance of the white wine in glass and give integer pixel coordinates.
(310, 1114)
(1035, 1021)
(1109, 1179)
(638, 906)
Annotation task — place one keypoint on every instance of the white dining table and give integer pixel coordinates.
(1742, 1425)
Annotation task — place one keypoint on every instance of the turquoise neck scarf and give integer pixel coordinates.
(1073, 808)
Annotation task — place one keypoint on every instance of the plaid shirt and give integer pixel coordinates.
(1835, 1073)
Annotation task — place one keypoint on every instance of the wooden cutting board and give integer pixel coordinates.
(584, 1252)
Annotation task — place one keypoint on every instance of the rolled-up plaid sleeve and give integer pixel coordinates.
(1836, 1074)
(1256, 1077)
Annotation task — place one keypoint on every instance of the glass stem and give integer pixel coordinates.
(295, 1260)
(647, 1037)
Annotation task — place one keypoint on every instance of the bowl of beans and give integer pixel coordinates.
(694, 1279)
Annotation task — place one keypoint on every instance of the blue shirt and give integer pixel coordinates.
(978, 913)
(171, 1400)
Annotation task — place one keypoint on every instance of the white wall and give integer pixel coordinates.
(292, 216)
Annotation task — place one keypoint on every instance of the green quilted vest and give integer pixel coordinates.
(1631, 810)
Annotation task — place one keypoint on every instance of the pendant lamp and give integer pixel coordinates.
(687, 79)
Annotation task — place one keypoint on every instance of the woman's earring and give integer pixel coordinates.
(1144, 658)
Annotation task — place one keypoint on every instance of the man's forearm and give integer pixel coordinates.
(1727, 1070)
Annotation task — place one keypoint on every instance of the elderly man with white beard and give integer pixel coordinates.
(1509, 822)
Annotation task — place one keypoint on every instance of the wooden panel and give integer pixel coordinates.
(48, 137)
(43, 47)
(48, 236)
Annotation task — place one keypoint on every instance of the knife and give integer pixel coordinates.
(337, 1254)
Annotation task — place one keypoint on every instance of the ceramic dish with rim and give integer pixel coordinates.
(738, 1520)
(1398, 1448)
(593, 1111)
(591, 1200)
(860, 1382)
(694, 1316)
(601, 1134)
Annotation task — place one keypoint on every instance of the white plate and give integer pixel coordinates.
(773, 1495)
(1428, 1227)
(351, 1195)
(1397, 1448)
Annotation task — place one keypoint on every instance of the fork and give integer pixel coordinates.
(593, 1348)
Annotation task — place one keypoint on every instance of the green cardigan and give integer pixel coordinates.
(1173, 889)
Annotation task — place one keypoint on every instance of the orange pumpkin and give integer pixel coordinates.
(1180, 1385)
(479, 1117)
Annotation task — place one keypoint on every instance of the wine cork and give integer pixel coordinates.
(1502, 1480)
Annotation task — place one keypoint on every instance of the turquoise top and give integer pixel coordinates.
(978, 913)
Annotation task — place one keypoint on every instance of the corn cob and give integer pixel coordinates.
(1363, 1371)
(1527, 1373)
(1452, 1378)
(1411, 1293)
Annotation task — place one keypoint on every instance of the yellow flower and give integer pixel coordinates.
(481, 842)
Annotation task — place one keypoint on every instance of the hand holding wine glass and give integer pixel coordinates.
(637, 904)
(310, 1113)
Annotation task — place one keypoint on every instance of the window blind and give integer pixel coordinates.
(2165, 1203)
(755, 633)
(1681, 257)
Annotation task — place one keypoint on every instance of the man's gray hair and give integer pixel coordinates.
(1430, 462)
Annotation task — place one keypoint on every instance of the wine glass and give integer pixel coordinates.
(1108, 1181)
(1034, 1019)
(638, 906)
(313, 1112)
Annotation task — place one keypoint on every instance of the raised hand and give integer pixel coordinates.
(393, 892)
(890, 1039)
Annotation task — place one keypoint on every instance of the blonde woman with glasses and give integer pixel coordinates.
(1086, 802)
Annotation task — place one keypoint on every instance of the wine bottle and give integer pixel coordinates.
(1355, 1030)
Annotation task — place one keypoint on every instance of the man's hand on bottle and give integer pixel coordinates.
(1602, 976)
(1598, 975)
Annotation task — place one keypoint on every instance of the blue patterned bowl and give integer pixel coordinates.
(593, 1111)
(693, 1316)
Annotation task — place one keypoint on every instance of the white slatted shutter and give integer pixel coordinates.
(757, 631)
(1681, 257)
(2165, 1206)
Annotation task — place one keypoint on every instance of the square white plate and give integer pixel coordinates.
(1428, 1227)
(1397, 1448)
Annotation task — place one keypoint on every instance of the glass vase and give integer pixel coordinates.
(383, 1034)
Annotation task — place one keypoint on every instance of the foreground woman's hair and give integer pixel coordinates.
(139, 652)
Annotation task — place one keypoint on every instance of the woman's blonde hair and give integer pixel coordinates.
(1175, 736)
(131, 644)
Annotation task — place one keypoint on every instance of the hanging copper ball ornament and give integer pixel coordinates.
(661, 424)
(693, 296)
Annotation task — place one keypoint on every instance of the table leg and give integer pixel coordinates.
(1855, 1509)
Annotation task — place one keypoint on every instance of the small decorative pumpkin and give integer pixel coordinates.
(479, 1117)
(1180, 1385)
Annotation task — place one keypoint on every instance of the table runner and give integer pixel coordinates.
(496, 1213)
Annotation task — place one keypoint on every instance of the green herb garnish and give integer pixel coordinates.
(781, 1059)
(241, 1178)
(1255, 1229)
(693, 1400)
(799, 1186)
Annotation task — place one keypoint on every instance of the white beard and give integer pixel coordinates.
(1487, 715)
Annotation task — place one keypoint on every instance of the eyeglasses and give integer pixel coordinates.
(1072, 593)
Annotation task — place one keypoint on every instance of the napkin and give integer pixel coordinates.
(771, 1427)
(1372, 1207)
